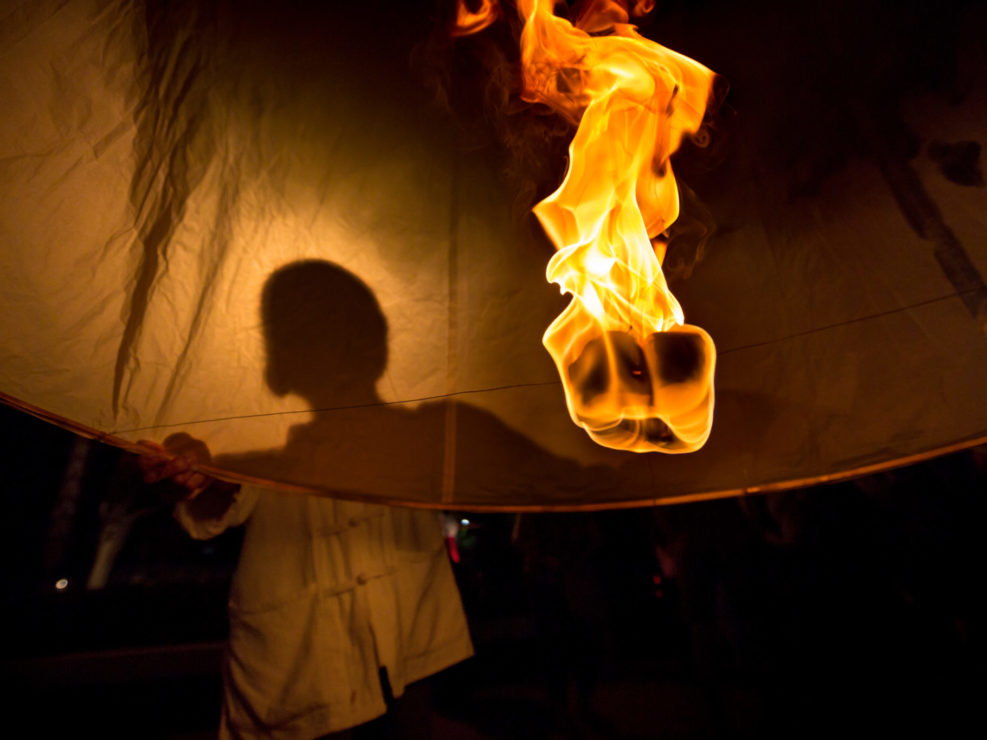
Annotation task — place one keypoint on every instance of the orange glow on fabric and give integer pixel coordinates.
(636, 376)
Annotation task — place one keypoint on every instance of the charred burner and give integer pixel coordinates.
(614, 367)
(614, 359)
(675, 356)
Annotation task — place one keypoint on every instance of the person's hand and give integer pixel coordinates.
(172, 466)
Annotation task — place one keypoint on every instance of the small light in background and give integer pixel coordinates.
(464, 522)
(62, 583)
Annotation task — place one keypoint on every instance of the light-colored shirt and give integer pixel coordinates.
(325, 594)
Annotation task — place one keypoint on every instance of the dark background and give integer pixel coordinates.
(810, 611)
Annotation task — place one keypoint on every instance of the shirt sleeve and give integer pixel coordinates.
(204, 527)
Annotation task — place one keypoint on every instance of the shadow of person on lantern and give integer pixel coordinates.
(326, 341)
(336, 604)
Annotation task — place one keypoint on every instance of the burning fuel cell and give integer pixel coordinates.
(658, 396)
(636, 376)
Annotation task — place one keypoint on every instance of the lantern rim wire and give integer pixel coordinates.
(846, 474)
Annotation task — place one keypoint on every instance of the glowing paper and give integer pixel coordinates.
(159, 165)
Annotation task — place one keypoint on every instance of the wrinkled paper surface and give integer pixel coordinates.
(157, 166)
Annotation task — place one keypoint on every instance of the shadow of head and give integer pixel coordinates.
(325, 335)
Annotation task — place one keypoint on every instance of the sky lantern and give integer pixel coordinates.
(262, 227)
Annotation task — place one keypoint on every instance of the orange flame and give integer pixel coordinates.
(636, 376)
(471, 21)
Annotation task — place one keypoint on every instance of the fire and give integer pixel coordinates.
(636, 376)
(470, 21)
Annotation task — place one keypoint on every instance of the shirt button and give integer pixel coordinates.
(361, 579)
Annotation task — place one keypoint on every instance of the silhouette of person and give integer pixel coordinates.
(326, 341)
